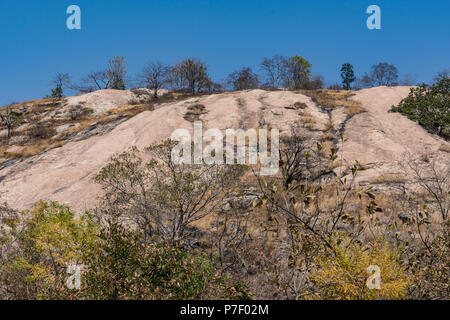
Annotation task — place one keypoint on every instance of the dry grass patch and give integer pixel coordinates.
(389, 178)
(3, 151)
(132, 110)
(327, 137)
(326, 148)
(445, 148)
(354, 107)
(328, 125)
(307, 120)
(300, 105)
(194, 112)
(335, 98)
(40, 136)
(28, 151)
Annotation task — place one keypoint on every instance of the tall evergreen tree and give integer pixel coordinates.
(348, 76)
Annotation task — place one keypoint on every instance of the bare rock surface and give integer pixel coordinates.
(379, 139)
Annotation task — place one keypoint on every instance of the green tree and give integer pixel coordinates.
(347, 75)
(299, 73)
(43, 246)
(429, 106)
(124, 266)
(57, 93)
(115, 261)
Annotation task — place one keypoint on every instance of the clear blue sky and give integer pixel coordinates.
(226, 34)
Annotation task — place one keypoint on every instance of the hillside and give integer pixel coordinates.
(86, 130)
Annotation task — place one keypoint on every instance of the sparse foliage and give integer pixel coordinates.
(162, 198)
(154, 76)
(442, 75)
(365, 81)
(384, 74)
(243, 79)
(95, 81)
(116, 73)
(61, 81)
(275, 69)
(9, 119)
(190, 74)
(316, 82)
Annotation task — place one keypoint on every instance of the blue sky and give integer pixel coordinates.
(226, 34)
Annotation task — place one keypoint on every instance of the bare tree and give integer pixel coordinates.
(154, 76)
(441, 75)
(433, 179)
(408, 80)
(243, 79)
(114, 77)
(365, 81)
(60, 81)
(116, 72)
(316, 82)
(213, 87)
(98, 80)
(335, 86)
(275, 69)
(176, 78)
(161, 197)
(384, 74)
(190, 74)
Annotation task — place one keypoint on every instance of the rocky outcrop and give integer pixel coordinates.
(376, 138)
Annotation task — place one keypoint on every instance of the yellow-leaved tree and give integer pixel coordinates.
(346, 275)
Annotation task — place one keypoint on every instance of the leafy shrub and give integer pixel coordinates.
(116, 261)
(429, 106)
(46, 243)
(125, 267)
